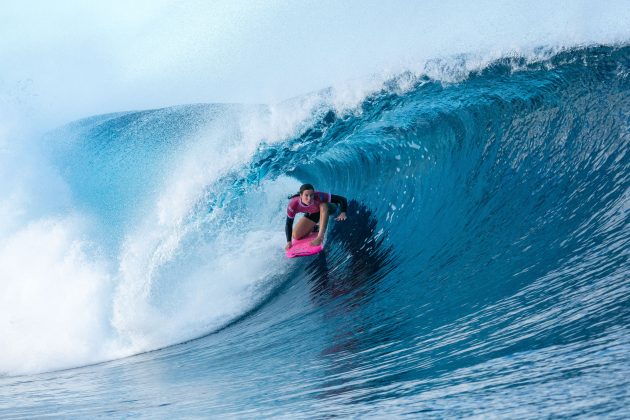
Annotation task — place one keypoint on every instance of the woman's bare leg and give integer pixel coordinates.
(304, 227)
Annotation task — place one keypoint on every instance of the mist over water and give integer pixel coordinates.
(485, 150)
(71, 60)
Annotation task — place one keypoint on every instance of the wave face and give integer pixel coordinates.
(483, 269)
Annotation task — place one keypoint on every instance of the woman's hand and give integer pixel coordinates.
(316, 241)
(342, 216)
(289, 245)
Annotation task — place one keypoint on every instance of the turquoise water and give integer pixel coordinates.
(483, 270)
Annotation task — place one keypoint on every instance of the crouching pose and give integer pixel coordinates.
(315, 206)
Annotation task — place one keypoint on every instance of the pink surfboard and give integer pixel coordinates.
(302, 247)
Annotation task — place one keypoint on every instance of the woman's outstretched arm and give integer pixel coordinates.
(343, 205)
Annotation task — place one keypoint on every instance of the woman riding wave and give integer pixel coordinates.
(313, 204)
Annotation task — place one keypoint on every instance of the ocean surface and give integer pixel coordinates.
(483, 270)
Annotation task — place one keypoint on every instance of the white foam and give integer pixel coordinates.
(53, 314)
(182, 277)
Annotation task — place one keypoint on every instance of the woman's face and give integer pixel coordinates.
(307, 196)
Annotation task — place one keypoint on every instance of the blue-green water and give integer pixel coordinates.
(483, 269)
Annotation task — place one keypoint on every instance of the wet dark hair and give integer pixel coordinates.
(303, 188)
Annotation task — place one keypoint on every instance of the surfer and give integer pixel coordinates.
(313, 204)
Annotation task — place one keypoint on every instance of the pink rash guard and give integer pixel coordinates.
(296, 206)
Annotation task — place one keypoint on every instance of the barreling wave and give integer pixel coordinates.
(486, 247)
